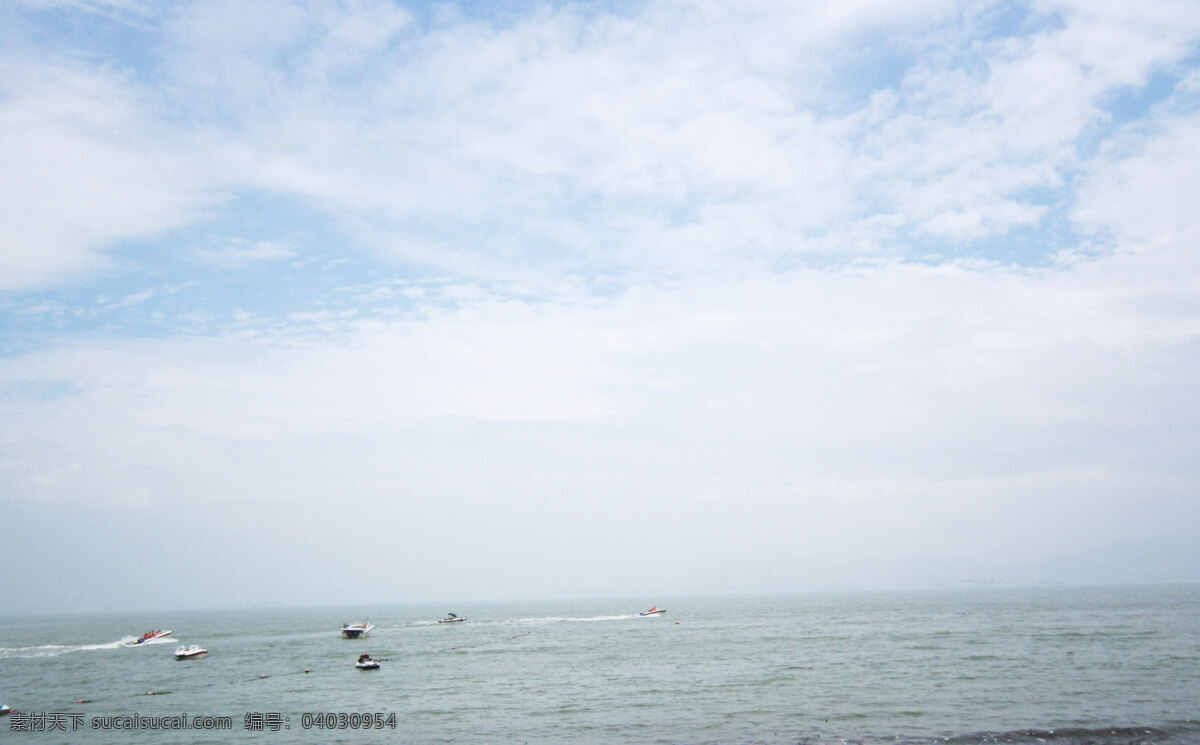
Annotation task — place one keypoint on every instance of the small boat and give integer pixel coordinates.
(451, 618)
(190, 652)
(151, 635)
(366, 663)
(653, 611)
(5, 710)
(355, 630)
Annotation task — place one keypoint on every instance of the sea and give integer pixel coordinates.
(1061, 665)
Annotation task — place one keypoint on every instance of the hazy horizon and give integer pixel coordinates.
(1112, 567)
(373, 610)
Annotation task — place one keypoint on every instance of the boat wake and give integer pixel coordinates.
(54, 650)
(569, 619)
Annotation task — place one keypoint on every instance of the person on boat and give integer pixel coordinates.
(364, 657)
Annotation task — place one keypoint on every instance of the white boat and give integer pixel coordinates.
(189, 652)
(451, 618)
(355, 630)
(5, 710)
(366, 663)
(653, 611)
(152, 635)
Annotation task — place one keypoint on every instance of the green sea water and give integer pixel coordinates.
(1100, 665)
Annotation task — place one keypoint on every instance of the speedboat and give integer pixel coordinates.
(355, 630)
(451, 618)
(5, 710)
(189, 652)
(151, 635)
(653, 611)
(366, 663)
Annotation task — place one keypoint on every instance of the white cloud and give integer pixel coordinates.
(240, 252)
(82, 170)
(739, 270)
(930, 382)
(1139, 191)
(115, 8)
(570, 138)
(105, 303)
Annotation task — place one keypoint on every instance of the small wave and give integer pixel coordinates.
(1091, 736)
(1066, 736)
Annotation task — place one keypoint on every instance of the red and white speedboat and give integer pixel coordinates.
(653, 611)
(152, 635)
(190, 652)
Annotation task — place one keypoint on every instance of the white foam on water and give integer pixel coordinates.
(570, 619)
(54, 650)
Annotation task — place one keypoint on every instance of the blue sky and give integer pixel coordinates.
(592, 298)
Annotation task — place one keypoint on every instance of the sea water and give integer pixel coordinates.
(1101, 665)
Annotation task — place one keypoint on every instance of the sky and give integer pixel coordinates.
(361, 301)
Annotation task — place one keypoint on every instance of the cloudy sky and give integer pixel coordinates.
(358, 301)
